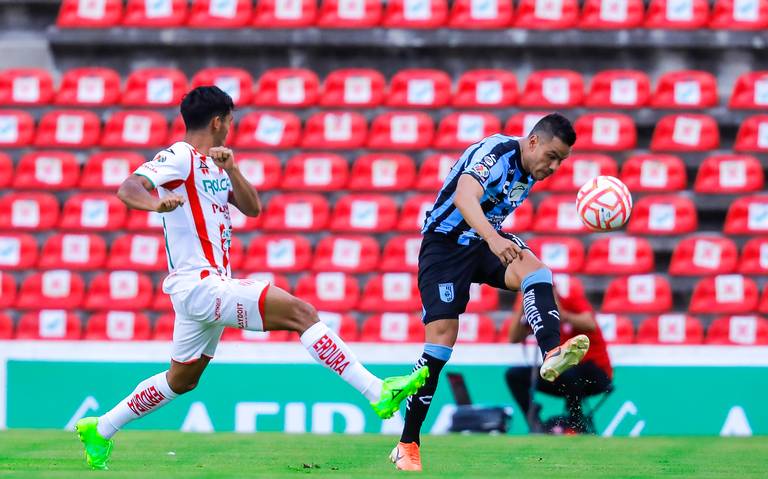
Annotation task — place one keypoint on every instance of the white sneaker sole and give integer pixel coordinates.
(570, 354)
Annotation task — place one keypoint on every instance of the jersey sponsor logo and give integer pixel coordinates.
(446, 292)
(216, 186)
(145, 400)
(490, 159)
(242, 316)
(223, 209)
(330, 354)
(482, 171)
(203, 167)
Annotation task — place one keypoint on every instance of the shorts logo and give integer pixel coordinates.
(482, 171)
(217, 310)
(446, 292)
(242, 316)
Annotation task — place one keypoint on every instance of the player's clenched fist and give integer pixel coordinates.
(506, 250)
(222, 157)
(169, 203)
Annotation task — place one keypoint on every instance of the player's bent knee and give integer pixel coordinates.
(302, 315)
(517, 272)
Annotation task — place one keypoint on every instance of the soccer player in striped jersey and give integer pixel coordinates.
(463, 244)
(196, 180)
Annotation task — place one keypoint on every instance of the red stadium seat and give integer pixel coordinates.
(401, 254)
(163, 330)
(754, 257)
(434, 169)
(7, 290)
(6, 170)
(236, 82)
(244, 223)
(685, 89)
(329, 291)
(579, 169)
(49, 324)
(353, 87)
(753, 135)
(566, 286)
(77, 252)
(612, 14)
(553, 15)
(739, 15)
(106, 170)
(482, 298)
(459, 130)
(268, 129)
(520, 220)
(670, 329)
(738, 330)
(335, 130)
(677, 14)
(364, 213)
(287, 87)
(235, 334)
(416, 13)
(415, 213)
(179, 130)
(17, 128)
(763, 305)
(162, 301)
(285, 13)
(89, 13)
(93, 212)
(561, 254)
(747, 215)
(558, 215)
(138, 252)
(236, 254)
(702, 255)
(155, 13)
(728, 174)
(486, 88)
(750, 91)
(18, 251)
(382, 172)
(146, 221)
(521, 123)
(688, 132)
(395, 292)
(296, 212)
(56, 289)
(619, 255)
(68, 129)
(262, 170)
(25, 86)
(480, 15)
(605, 132)
(47, 170)
(350, 14)
(135, 129)
(89, 86)
(6, 326)
(315, 172)
(476, 328)
(401, 131)
(643, 293)
(724, 294)
(552, 88)
(155, 87)
(220, 14)
(343, 325)
(663, 215)
(393, 328)
(654, 173)
(616, 328)
(348, 254)
(420, 88)
(121, 290)
(279, 253)
(28, 211)
(618, 88)
(117, 326)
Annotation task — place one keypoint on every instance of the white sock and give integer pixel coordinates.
(150, 395)
(328, 349)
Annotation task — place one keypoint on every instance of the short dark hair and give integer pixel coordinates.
(557, 125)
(202, 104)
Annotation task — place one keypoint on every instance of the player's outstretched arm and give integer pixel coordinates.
(243, 196)
(134, 192)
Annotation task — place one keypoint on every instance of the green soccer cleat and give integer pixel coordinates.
(396, 389)
(97, 449)
(564, 357)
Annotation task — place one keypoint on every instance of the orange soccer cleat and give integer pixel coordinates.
(406, 456)
(564, 357)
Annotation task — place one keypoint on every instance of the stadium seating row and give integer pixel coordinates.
(465, 14)
(387, 327)
(697, 255)
(394, 130)
(365, 88)
(386, 292)
(369, 213)
(386, 172)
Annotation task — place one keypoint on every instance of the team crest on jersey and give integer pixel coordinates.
(160, 158)
(482, 171)
(517, 191)
(490, 160)
(446, 292)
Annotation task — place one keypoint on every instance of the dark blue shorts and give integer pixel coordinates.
(447, 269)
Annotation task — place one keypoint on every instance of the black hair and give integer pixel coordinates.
(202, 104)
(557, 125)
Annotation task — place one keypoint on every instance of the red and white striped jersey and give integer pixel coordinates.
(197, 234)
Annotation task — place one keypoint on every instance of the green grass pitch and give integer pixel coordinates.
(167, 455)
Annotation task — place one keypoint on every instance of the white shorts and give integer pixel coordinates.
(213, 303)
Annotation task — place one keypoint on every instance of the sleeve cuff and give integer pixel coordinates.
(147, 177)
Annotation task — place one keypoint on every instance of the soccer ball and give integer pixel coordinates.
(604, 203)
